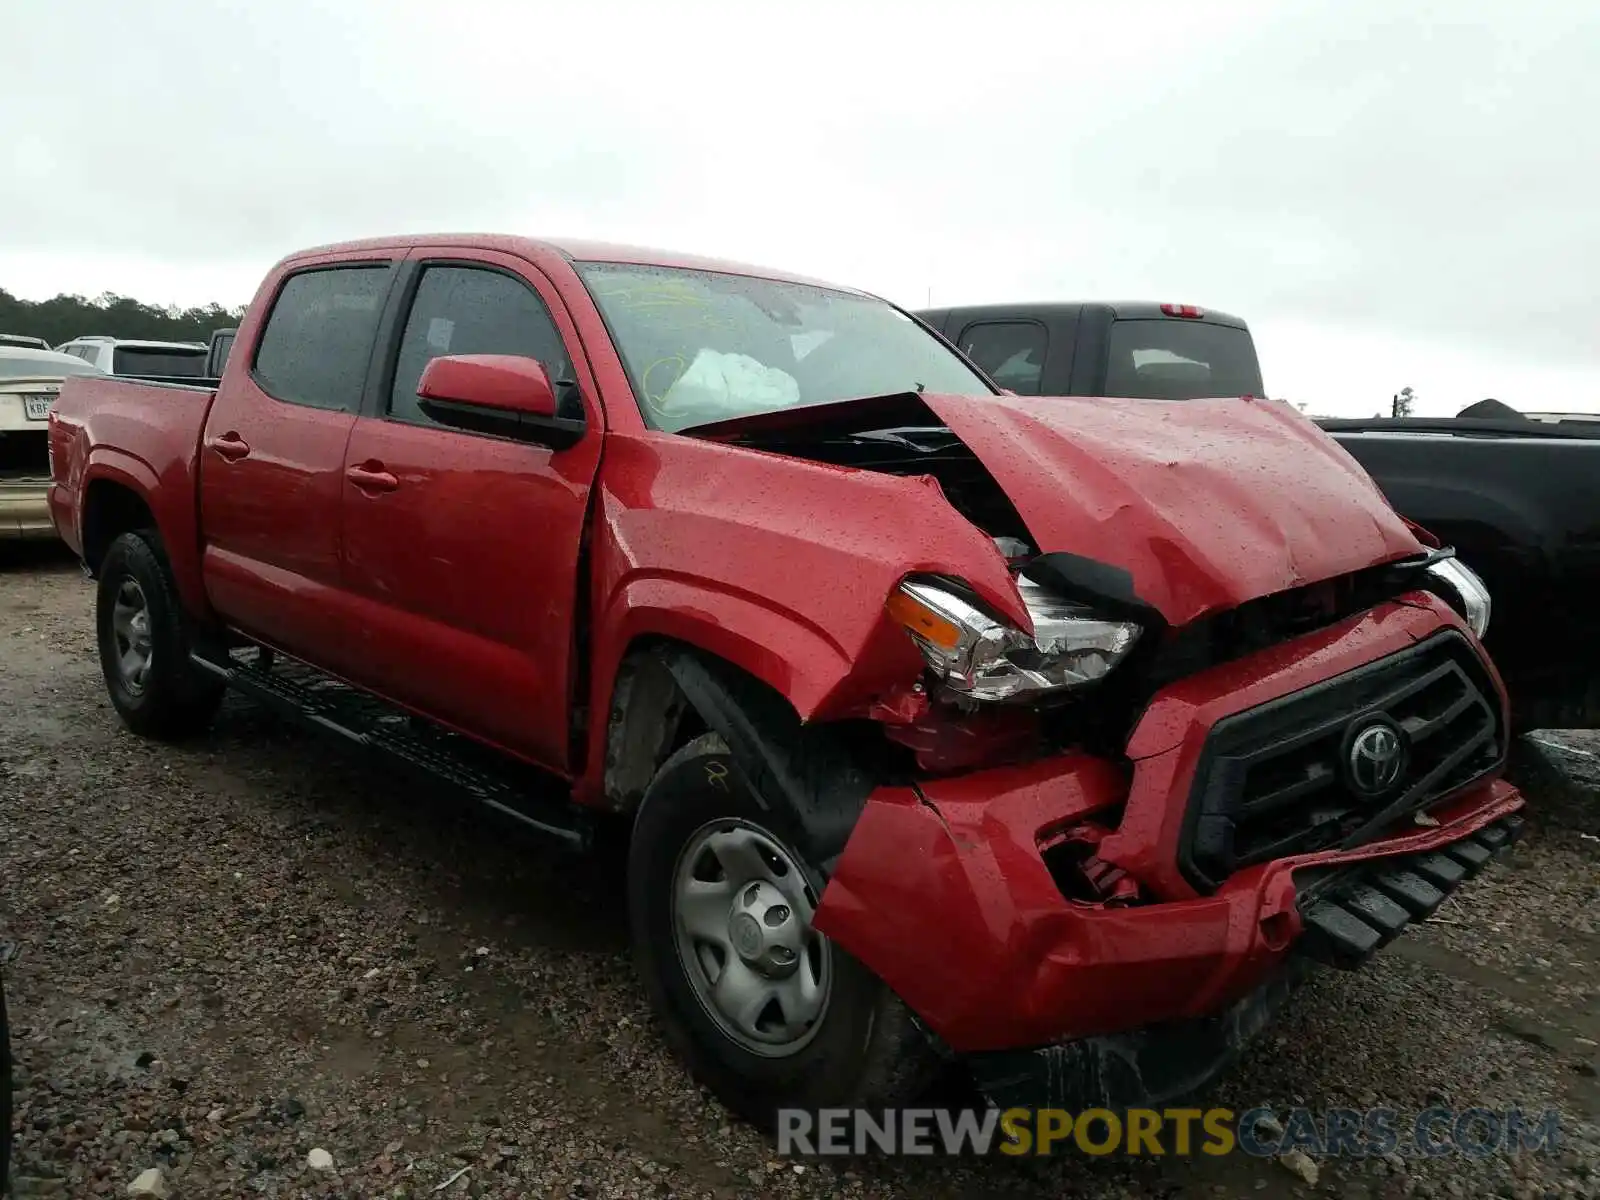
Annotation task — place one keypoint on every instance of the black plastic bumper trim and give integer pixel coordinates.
(1369, 905)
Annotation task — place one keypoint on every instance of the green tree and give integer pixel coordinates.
(62, 318)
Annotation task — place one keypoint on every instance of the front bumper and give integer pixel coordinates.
(25, 509)
(943, 890)
(1360, 910)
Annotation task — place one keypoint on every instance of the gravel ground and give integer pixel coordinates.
(229, 955)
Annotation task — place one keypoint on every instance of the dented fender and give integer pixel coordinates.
(776, 566)
(741, 533)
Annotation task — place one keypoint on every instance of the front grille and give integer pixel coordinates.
(1280, 617)
(1278, 780)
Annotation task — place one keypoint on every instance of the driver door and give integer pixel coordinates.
(461, 550)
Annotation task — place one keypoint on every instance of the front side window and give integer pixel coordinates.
(470, 310)
(1010, 352)
(318, 338)
(703, 346)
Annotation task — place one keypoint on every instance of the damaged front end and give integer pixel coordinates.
(1126, 819)
(1102, 634)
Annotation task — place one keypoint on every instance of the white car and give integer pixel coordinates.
(128, 356)
(29, 382)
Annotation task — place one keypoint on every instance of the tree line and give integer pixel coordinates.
(62, 318)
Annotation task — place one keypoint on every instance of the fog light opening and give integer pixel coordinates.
(1277, 931)
(1081, 875)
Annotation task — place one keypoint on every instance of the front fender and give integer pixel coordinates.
(776, 566)
(688, 622)
(778, 646)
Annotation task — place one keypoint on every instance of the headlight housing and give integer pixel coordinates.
(1463, 590)
(979, 657)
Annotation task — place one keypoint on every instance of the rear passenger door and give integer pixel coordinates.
(272, 461)
(466, 567)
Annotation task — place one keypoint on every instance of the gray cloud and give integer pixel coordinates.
(1428, 174)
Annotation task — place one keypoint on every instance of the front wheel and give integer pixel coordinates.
(765, 1010)
(144, 638)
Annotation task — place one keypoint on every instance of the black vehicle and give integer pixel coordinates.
(217, 353)
(1518, 498)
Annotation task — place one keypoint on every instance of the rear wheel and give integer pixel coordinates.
(765, 1010)
(145, 640)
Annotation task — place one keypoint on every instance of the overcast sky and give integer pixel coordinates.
(1392, 193)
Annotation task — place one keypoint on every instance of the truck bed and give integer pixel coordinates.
(1482, 483)
(1520, 502)
(140, 433)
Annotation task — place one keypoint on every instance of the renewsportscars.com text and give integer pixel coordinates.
(1176, 1132)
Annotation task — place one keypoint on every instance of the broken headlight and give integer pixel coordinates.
(1460, 587)
(980, 657)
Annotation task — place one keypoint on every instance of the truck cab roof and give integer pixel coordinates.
(567, 249)
(1118, 310)
(1141, 349)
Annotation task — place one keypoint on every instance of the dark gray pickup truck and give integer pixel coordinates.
(1519, 499)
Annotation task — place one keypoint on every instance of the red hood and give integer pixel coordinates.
(1205, 503)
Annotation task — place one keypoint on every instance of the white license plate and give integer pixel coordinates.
(36, 408)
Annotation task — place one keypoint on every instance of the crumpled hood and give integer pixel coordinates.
(1204, 503)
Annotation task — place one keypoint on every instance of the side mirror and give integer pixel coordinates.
(504, 394)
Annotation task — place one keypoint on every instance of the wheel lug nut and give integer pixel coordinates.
(782, 954)
(776, 915)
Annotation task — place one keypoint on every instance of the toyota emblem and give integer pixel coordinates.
(1376, 758)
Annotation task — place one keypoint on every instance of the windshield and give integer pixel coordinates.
(702, 346)
(45, 366)
(1163, 359)
(136, 360)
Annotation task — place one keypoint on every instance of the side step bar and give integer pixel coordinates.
(303, 694)
(1368, 906)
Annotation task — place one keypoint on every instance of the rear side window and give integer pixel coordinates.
(130, 360)
(470, 310)
(318, 339)
(1179, 359)
(1009, 352)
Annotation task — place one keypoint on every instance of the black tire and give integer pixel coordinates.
(866, 1051)
(175, 699)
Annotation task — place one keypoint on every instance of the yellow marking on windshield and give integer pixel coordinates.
(654, 398)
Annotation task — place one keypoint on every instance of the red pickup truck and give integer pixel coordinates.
(1055, 735)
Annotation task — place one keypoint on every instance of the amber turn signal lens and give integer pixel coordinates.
(923, 621)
